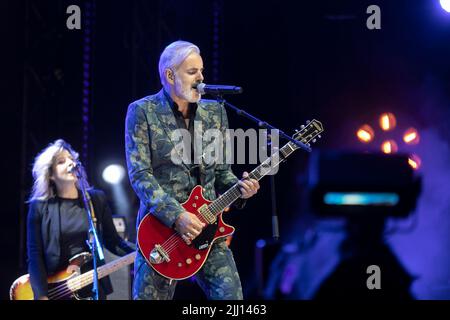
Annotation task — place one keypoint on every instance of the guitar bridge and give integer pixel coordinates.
(158, 255)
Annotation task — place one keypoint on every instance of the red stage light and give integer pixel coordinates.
(387, 121)
(365, 133)
(389, 146)
(411, 136)
(414, 161)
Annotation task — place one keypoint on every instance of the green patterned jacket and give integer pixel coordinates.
(161, 184)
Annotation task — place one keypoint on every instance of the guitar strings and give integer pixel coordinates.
(169, 246)
(63, 289)
(78, 282)
(172, 242)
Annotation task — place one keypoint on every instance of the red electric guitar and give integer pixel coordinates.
(165, 250)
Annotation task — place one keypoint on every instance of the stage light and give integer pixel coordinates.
(389, 146)
(411, 136)
(414, 161)
(445, 4)
(365, 133)
(113, 174)
(387, 121)
(361, 198)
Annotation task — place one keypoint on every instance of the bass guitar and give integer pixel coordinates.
(69, 283)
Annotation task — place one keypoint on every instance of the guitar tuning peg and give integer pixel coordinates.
(307, 121)
(319, 136)
(297, 131)
(308, 145)
(302, 126)
(314, 140)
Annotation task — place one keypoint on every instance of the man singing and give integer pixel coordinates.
(162, 184)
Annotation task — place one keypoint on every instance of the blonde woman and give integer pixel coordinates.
(57, 219)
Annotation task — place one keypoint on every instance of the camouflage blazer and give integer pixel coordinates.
(160, 183)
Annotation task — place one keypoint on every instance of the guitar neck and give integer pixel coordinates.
(232, 194)
(87, 278)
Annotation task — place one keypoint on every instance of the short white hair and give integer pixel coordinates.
(173, 56)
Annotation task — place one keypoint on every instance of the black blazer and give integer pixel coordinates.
(43, 239)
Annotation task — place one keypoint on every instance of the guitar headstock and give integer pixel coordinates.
(309, 132)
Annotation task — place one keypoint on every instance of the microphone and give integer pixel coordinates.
(216, 89)
(75, 167)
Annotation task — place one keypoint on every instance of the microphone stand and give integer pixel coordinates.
(263, 124)
(92, 242)
(275, 229)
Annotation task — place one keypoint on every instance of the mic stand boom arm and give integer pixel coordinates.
(263, 124)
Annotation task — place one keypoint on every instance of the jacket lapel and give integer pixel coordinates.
(204, 119)
(167, 119)
(53, 224)
(199, 131)
(165, 116)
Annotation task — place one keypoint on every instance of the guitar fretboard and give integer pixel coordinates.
(87, 278)
(226, 199)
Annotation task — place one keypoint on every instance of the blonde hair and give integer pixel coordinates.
(43, 188)
(173, 56)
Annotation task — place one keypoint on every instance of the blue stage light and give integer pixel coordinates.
(361, 199)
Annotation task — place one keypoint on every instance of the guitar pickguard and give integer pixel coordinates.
(204, 239)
